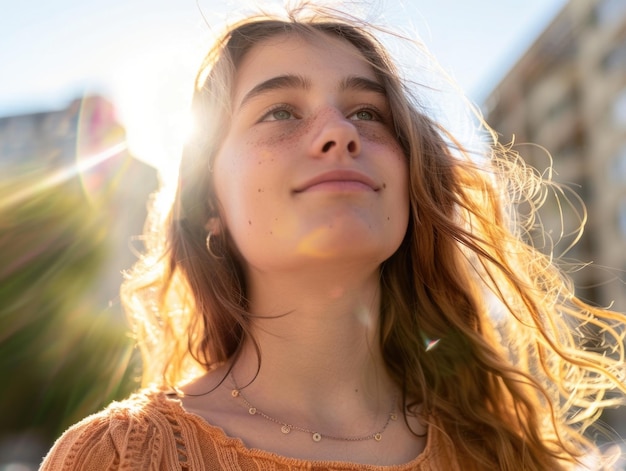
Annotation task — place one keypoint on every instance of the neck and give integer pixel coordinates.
(318, 340)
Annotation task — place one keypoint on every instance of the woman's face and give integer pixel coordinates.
(310, 171)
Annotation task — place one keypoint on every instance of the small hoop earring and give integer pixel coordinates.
(208, 246)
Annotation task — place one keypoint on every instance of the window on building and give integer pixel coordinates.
(609, 11)
(621, 217)
(617, 166)
(559, 108)
(619, 108)
(615, 59)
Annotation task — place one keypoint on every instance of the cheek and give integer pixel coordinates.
(395, 176)
(233, 181)
(279, 137)
(239, 167)
(252, 168)
(239, 192)
(246, 178)
(390, 156)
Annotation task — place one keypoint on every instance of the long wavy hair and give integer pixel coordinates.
(477, 326)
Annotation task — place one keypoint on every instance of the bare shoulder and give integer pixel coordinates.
(208, 396)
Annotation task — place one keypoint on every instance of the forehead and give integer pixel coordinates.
(321, 57)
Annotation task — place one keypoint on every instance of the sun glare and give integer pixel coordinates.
(153, 98)
(62, 175)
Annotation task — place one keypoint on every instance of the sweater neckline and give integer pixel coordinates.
(173, 402)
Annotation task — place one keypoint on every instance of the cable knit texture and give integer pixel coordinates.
(151, 431)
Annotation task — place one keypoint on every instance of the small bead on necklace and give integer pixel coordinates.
(286, 428)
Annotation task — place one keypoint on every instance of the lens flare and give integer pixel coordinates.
(430, 343)
(61, 175)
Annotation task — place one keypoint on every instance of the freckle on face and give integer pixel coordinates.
(293, 133)
(290, 230)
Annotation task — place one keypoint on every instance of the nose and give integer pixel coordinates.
(338, 137)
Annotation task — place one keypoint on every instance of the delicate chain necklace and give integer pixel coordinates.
(286, 428)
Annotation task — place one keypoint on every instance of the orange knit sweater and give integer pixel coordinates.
(152, 431)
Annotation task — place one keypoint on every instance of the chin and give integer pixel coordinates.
(347, 249)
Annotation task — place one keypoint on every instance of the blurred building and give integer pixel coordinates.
(568, 94)
(81, 149)
(72, 200)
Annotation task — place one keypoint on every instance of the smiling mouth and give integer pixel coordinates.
(338, 186)
(339, 181)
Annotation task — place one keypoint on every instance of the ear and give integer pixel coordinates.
(214, 226)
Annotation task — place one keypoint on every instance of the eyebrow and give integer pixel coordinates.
(358, 82)
(352, 82)
(276, 83)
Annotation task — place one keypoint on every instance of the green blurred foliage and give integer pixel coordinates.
(62, 355)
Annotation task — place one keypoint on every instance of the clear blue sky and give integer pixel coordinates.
(139, 52)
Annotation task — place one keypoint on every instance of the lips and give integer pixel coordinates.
(340, 179)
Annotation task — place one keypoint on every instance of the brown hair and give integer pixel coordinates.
(503, 391)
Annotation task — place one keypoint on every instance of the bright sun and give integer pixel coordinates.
(152, 95)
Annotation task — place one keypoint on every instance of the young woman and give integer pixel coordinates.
(322, 294)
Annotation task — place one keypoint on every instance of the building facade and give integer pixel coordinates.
(80, 150)
(72, 201)
(567, 97)
(564, 103)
